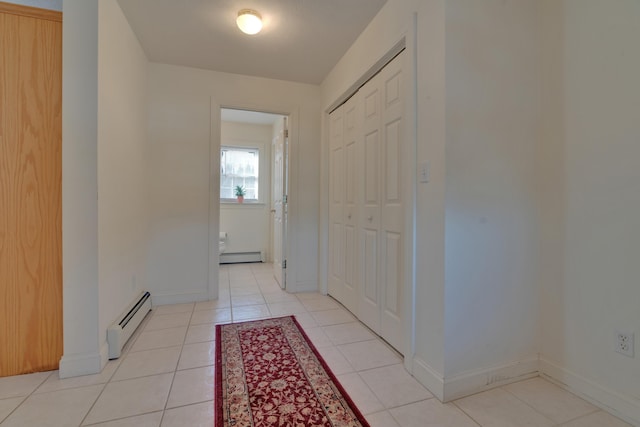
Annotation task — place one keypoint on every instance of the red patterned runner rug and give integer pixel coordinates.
(269, 374)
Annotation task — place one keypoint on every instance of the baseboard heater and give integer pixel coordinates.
(121, 330)
(238, 257)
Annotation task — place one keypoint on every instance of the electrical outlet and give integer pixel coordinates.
(624, 343)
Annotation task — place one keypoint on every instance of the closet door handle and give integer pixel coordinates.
(370, 218)
(349, 216)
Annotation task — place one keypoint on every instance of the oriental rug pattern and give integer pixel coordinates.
(269, 374)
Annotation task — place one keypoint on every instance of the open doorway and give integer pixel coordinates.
(253, 188)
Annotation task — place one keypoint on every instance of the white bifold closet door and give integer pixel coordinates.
(366, 240)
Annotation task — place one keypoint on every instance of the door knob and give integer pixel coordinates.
(370, 218)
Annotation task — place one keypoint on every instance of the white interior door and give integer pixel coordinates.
(336, 204)
(279, 203)
(394, 178)
(369, 239)
(352, 148)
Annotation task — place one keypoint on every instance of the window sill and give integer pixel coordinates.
(245, 204)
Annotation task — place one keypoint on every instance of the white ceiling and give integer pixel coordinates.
(301, 40)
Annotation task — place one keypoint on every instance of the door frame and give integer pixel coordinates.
(215, 142)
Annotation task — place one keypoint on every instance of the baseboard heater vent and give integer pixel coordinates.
(237, 257)
(121, 330)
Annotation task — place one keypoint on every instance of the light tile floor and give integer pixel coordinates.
(165, 376)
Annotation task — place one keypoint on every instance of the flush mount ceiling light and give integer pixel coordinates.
(249, 21)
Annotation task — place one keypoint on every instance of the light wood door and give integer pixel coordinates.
(30, 189)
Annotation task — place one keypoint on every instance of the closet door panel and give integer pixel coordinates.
(369, 308)
(336, 204)
(351, 140)
(396, 179)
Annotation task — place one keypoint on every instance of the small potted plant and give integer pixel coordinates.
(240, 192)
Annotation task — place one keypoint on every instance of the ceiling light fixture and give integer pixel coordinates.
(249, 21)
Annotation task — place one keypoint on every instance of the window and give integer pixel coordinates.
(239, 166)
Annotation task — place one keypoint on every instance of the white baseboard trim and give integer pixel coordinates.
(621, 406)
(179, 297)
(75, 365)
(479, 380)
(428, 377)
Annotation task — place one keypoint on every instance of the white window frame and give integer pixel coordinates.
(259, 179)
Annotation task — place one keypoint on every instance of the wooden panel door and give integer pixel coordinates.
(30, 189)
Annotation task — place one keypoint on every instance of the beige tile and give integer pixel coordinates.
(160, 339)
(148, 362)
(318, 337)
(499, 408)
(348, 333)
(198, 415)
(308, 295)
(393, 386)
(211, 305)
(250, 312)
(21, 385)
(432, 413)
(174, 308)
(54, 382)
(217, 316)
(192, 386)
(8, 405)
(597, 419)
(381, 419)
(147, 420)
(306, 320)
(320, 303)
(335, 360)
(45, 409)
(197, 355)
(116, 400)
(332, 317)
(286, 307)
(253, 299)
(369, 354)
(166, 321)
(279, 296)
(360, 393)
(240, 291)
(269, 286)
(550, 400)
(200, 333)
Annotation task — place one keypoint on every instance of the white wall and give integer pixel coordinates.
(540, 101)
(392, 23)
(79, 189)
(104, 177)
(122, 164)
(179, 135)
(477, 116)
(492, 122)
(591, 150)
(248, 224)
